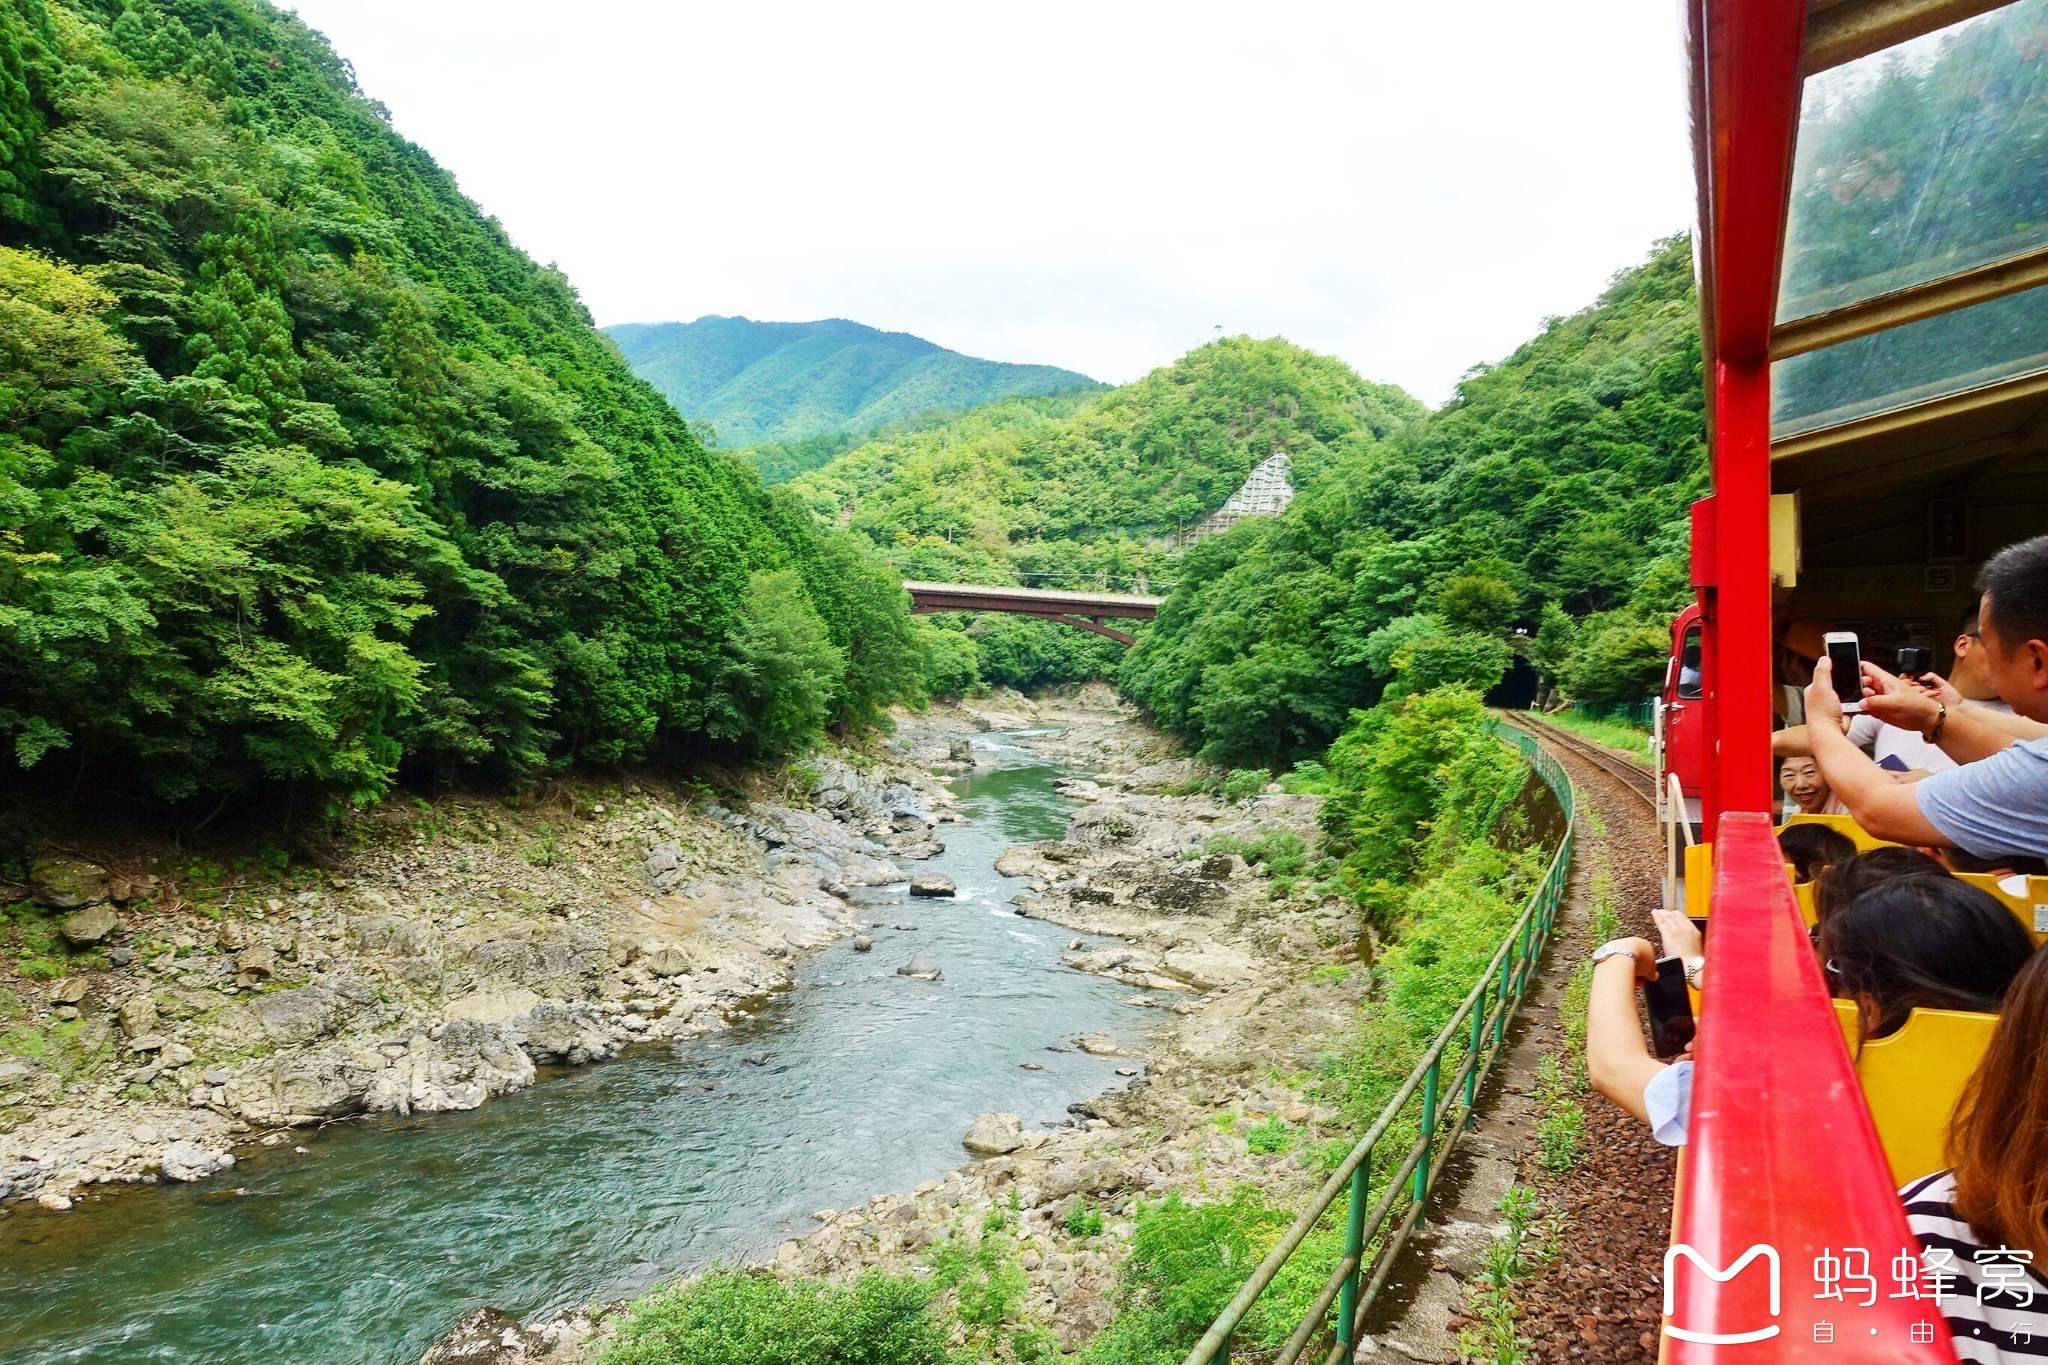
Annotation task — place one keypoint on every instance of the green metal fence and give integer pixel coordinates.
(1479, 1024)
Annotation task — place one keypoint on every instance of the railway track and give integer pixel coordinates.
(1634, 776)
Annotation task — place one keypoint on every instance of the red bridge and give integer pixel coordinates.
(1082, 610)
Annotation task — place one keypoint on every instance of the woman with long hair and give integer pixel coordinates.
(1985, 1220)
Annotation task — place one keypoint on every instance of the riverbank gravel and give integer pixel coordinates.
(441, 956)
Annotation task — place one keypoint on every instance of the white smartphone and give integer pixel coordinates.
(1847, 661)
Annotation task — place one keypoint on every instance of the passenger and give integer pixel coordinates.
(1986, 1220)
(1996, 804)
(1858, 872)
(1916, 942)
(1920, 942)
(1812, 849)
(2003, 868)
(1806, 791)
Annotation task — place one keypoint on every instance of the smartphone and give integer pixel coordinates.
(1670, 1008)
(1914, 660)
(1847, 662)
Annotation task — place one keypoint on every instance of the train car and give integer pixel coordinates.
(1873, 261)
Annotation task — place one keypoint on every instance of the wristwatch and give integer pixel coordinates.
(1607, 950)
(1693, 967)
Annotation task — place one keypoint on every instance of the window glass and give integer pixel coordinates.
(1932, 358)
(1689, 665)
(1919, 161)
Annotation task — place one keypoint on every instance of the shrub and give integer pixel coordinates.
(1271, 1136)
(987, 1282)
(753, 1318)
(1187, 1261)
(1084, 1219)
(1244, 783)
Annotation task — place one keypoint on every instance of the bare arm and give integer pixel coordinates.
(1969, 733)
(1618, 1060)
(1790, 742)
(1886, 808)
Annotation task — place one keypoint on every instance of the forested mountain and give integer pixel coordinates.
(1045, 488)
(1550, 494)
(306, 473)
(785, 381)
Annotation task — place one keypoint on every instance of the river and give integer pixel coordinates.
(598, 1182)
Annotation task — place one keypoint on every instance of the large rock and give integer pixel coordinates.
(932, 884)
(668, 959)
(922, 968)
(65, 883)
(570, 1034)
(184, 1161)
(994, 1135)
(491, 1336)
(465, 1065)
(89, 926)
(138, 1015)
(308, 1013)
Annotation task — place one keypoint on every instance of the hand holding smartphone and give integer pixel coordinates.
(1670, 1009)
(1845, 662)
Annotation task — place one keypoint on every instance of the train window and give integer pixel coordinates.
(1967, 349)
(1920, 161)
(1689, 665)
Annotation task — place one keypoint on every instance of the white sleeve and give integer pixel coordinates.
(1864, 730)
(1667, 1099)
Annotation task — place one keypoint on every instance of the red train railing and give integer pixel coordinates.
(1784, 1188)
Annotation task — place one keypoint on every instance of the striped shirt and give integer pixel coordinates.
(1995, 1301)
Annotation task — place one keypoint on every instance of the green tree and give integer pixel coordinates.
(775, 690)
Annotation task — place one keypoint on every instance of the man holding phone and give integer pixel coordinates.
(1997, 802)
(1894, 739)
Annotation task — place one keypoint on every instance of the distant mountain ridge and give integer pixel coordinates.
(784, 381)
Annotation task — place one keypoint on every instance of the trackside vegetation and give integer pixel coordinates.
(309, 476)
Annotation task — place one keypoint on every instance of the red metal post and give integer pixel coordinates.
(1741, 713)
(1746, 56)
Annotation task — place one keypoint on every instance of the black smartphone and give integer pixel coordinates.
(1913, 661)
(1669, 1007)
(1847, 663)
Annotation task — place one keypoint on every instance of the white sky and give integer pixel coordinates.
(1412, 187)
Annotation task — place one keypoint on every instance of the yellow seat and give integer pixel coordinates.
(1699, 878)
(1803, 893)
(1844, 823)
(1913, 1079)
(2026, 897)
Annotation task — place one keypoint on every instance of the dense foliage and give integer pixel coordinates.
(307, 473)
(787, 381)
(1067, 492)
(754, 1318)
(1542, 512)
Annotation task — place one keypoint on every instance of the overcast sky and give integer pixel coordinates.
(1096, 185)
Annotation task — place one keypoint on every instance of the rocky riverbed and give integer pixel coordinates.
(1262, 983)
(452, 950)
